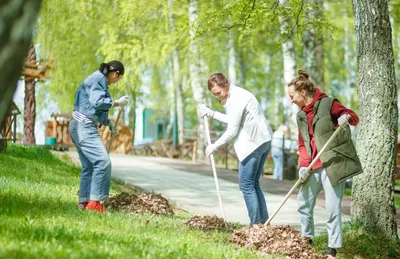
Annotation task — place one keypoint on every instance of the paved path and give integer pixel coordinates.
(192, 187)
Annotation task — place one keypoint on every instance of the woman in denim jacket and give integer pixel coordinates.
(91, 105)
(251, 133)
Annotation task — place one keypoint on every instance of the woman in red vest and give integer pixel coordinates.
(318, 118)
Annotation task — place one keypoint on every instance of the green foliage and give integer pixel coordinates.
(139, 33)
(67, 33)
(39, 218)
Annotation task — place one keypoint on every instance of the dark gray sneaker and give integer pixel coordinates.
(330, 251)
(308, 240)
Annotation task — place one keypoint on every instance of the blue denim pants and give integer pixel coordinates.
(250, 171)
(95, 177)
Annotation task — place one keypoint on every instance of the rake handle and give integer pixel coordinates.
(213, 167)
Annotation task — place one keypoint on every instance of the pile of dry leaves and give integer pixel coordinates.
(142, 203)
(284, 240)
(207, 223)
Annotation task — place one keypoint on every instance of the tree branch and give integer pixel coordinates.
(245, 21)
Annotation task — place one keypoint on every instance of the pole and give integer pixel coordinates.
(307, 172)
(213, 166)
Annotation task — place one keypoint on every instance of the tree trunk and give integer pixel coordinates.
(132, 113)
(30, 103)
(194, 71)
(172, 109)
(242, 68)
(348, 54)
(232, 58)
(313, 48)
(179, 109)
(377, 132)
(176, 76)
(18, 18)
(289, 72)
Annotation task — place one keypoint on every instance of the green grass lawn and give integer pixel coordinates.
(39, 218)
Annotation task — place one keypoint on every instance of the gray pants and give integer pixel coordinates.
(333, 198)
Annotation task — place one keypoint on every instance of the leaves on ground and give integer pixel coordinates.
(284, 240)
(142, 203)
(207, 223)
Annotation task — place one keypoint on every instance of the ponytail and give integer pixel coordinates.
(111, 66)
(104, 68)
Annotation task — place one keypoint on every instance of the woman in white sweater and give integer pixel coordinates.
(251, 133)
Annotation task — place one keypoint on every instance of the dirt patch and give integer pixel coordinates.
(142, 203)
(284, 240)
(208, 223)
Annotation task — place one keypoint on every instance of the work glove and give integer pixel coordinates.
(205, 111)
(344, 119)
(302, 175)
(210, 149)
(112, 127)
(122, 101)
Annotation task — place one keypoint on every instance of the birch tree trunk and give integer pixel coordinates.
(133, 94)
(232, 58)
(176, 76)
(241, 78)
(377, 132)
(347, 64)
(18, 18)
(179, 99)
(289, 72)
(30, 103)
(172, 109)
(194, 71)
(313, 47)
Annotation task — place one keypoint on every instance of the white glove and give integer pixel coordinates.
(344, 119)
(205, 111)
(122, 101)
(210, 149)
(112, 127)
(302, 171)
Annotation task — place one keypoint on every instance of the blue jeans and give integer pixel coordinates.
(250, 171)
(95, 176)
(277, 156)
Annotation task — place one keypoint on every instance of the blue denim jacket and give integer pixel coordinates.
(93, 99)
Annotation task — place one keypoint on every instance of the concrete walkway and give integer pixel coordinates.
(194, 189)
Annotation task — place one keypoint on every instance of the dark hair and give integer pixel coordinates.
(302, 82)
(218, 79)
(112, 66)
